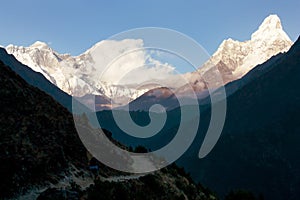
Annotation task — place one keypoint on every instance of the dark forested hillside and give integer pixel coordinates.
(39, 145)
(38, 138)
(259, 147)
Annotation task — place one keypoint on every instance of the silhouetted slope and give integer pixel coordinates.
(39, 142)
(259, 147)
(38, 138)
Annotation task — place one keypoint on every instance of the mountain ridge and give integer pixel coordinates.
(232, 60)
(76, 75)
(268, 40)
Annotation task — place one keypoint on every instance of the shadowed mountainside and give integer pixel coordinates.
(259, 146)
(38, 138)
(39, 145)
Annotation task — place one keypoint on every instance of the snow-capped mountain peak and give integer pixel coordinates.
(40, 45)
(80, 75)
(234, 58)
(271, 22)
(270, 28)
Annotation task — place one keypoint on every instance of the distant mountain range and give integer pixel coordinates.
(259, 146)
(232, 60)
(79, 76)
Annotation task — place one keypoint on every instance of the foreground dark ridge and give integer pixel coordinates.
(39, 144)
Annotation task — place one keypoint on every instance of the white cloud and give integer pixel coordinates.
(127, 62)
